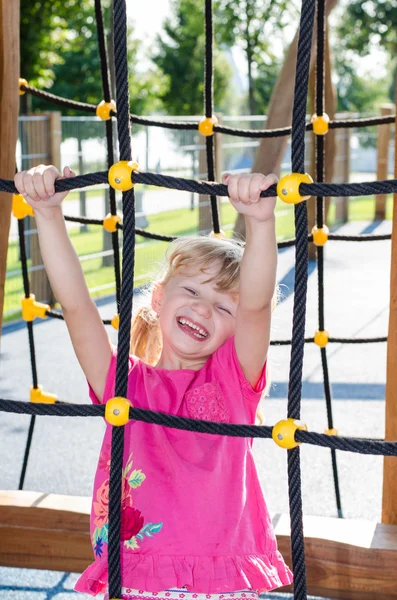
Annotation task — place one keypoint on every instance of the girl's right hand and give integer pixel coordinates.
(37, 186)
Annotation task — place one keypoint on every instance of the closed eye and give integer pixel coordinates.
(193, 292)
(224, 310)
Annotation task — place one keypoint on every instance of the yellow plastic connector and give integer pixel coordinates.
(120, 174)
(283, 433)
(321, 338)
(332, 431)
(288, 187)
(320, 235)
(20, 208)
(22, 82)
(104, 108)
(117, 411)
(206, 125)
(110, 222)
(37, 395)
(320, 123)
(115, 322)
(219, 235)
(32, 309)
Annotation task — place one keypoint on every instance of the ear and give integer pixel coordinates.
(157, 297)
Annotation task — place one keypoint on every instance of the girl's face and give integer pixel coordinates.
(195, 318)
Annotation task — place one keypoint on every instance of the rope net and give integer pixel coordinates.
(124, 293)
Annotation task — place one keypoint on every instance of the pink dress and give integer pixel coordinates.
(193, 512)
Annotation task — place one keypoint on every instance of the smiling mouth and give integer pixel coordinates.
(192, 329)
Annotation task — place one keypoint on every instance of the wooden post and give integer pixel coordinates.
(389, 502)
(9, 85)
(382, 160)
(342, 172)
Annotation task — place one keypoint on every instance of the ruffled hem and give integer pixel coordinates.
(205, 574)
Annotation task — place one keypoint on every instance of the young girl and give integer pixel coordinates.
(194, 521)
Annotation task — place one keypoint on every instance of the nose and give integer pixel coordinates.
(202, 308)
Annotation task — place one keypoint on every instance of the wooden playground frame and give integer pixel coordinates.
(351, 560)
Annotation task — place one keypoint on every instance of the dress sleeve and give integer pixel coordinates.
(228, 363)
(110, 384)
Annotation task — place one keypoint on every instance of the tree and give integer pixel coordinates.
(255, 25)
(180, 57)
(364, 27)
(59, 52)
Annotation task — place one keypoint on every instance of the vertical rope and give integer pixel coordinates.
(124, 138)
(209, 107)
(320, 177)
(109, 141)
(26, 288)
(300, 292)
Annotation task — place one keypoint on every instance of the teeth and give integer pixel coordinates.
(201, 332)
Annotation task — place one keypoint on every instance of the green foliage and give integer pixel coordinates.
(59, 53)
(365, 27)
(180, 57)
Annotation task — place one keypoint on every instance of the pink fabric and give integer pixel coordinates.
(193, 512)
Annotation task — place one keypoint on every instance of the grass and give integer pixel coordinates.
(149, 253)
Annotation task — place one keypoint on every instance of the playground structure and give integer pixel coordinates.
(337, 567)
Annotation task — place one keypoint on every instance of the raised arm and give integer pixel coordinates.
(88, 335)
(258, 271)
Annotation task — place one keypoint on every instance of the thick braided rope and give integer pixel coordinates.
(60, 409)
(366, 188)
(32, 352)
(192, 126)
(300, 292)
(124, 138)
(109, 141)
(320, 176)
(209, 107)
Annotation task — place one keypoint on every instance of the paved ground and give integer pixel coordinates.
(64, 451)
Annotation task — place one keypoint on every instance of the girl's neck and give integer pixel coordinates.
(172, 362)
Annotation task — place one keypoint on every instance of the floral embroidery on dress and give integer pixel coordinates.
(132, 521)
(207, 403)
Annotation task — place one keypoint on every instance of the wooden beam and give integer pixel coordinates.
(389, 501)
(353, 560)
(382, 161)
(9, 76)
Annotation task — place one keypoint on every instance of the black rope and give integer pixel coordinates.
(126, 299)
(209, 107)
(32, 353)
(190, 126)
(366, 188)
(63, 409)
(300, 289)
(320, 176)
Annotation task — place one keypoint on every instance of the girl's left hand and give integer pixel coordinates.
(244, 193)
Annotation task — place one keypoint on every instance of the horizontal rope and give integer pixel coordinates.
(60, 409)
(366, 188)
(188, 125)
(138, 230)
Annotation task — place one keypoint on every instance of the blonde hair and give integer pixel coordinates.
(201, 252)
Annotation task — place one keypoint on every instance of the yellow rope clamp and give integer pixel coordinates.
(110, 222)
(104, 108)
(288, 187)
(22, 82)
(332, 431)
(283, 433)
(117, 411)
(320, 123)
(206, 125)
(38, 396)
(32, 309)
(115, 322)
(320, 235)
(321, 338)
(20, 208)
(120, 174)
(219, 235)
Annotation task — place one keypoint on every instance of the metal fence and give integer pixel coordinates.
(82, 146)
